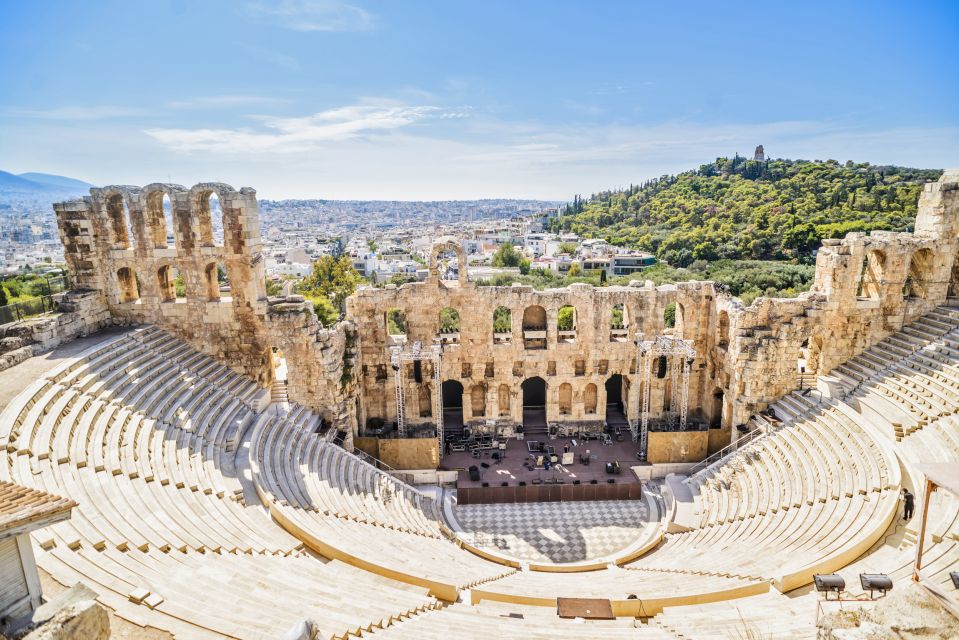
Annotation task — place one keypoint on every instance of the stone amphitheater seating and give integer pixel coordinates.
(145, 433)
(344, 508)
(141, 431)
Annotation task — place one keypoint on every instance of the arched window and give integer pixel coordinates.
(212, 280)
(871, 278)
(565, 399)
(396, 323)
(669, 315)
(504, 400)
(478, 400)
(449, 320)
(159, 215)
(618, 324)
(723, 329)
(165, 283)
(920, 274)
(206, 207)
(566, 324)
(119, 226)
(534, 327)
(589, 399)
(680, 321)
(502, 324)
(127, 285)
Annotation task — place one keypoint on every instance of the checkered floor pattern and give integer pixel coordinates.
(556, 532)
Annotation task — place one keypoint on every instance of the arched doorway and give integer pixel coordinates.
(452, 406)
(615, 407)
(534, 406)
(716, 420)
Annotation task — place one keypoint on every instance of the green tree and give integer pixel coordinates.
(396, 322)
(507, 256)
(574, 270)
(565, 319)
(4, 301)
(273, 288)
(334, 278)
(449, 320)
(326, 313)
(567, 247)
(502, 320)
(669, 315)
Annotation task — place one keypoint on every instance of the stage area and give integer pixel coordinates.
(520, 464)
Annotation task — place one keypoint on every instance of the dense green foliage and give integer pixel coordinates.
(395, 322)
(566, 318)
(449, 320)
(502, 320)
(738, 209)
(332, 278)
(508, 256)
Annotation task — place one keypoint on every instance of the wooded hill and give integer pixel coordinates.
(739, 209)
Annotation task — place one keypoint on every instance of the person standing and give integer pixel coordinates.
(908, 504)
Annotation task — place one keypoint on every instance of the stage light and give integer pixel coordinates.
(829, 583)
(875, 582)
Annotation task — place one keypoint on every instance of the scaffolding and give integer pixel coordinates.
(679, 355)
(416, 353)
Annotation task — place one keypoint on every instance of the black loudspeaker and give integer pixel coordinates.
(474, 473)
(661, 367)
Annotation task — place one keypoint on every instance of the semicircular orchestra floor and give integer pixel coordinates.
(561, 532)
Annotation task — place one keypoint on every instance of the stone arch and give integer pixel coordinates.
(504, 400)
(449, 320)
(589, 399)
(566, 323)
(565, 399)
(723, 340)
(395, 322)
(669, 316)
(161, 219)
(478, 400)
(680, 320)
(118, 216)
(211, 281)
(919, 279)
(619, 317)
(502, 324)
(444, 245)
(165, 283)
(534, 327)
(127, 285)
(873, 273)
(201, 213)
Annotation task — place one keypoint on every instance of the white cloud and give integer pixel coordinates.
(312, 15)
(293, 135)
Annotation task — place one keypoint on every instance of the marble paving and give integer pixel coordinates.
(558, 532)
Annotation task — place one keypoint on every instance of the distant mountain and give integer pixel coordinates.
(57, 181)
(41, 187)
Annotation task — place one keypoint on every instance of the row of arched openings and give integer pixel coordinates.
(161, 229)
(170, 284)
(916, 284)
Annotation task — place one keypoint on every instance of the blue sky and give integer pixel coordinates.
(438, 100)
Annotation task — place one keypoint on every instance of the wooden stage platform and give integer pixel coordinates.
(509, 480)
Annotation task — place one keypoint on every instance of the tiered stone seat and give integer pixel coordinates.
(770, 616)
(343, 507)
(135, 432)
(499, 620)
(810, 495)
(632, 591)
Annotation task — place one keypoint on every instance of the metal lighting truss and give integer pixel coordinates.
(680, 354)
(415, 353)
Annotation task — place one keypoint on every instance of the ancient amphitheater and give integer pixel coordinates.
(213, 500)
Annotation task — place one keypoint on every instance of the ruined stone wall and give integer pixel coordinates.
(866, 287)
(121, 244)
(492, 368)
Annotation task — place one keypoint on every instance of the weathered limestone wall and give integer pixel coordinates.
(402, 453)
(866, 287)
(81, 312)
(682, 446)
(492, 369)
(116, 244)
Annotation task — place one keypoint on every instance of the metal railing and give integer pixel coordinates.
(29, 308)
(763, 428)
